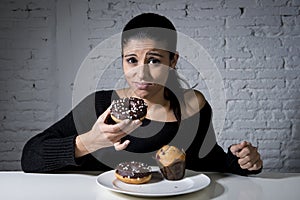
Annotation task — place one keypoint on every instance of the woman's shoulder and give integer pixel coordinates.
(194, 101)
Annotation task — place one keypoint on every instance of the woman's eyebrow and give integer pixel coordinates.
(129, 55)
(155, 54)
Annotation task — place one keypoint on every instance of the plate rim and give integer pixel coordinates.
(136, 193)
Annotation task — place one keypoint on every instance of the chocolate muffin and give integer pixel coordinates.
(171, 162)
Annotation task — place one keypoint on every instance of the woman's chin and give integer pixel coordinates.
(141, 93)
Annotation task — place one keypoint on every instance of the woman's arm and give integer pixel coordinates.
(214, 157)
(70, 141)
(52, 149)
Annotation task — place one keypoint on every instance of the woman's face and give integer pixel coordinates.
(146, 66)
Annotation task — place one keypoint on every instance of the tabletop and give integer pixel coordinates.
(17, 185)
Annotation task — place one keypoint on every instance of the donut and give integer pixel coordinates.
(128, 108)
(133, 172)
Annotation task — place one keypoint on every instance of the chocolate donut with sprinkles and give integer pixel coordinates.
(133, 172)
(128, 108)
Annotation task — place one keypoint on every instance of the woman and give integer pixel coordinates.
(149, 59)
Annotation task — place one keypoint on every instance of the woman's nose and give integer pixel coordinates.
(143, 71)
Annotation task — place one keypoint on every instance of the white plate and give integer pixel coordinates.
(156, 187)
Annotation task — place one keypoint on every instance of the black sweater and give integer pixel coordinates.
(53, 149)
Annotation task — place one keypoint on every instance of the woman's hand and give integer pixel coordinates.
(249, 158)
(104, 135)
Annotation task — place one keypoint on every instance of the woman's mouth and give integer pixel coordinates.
(142, 85)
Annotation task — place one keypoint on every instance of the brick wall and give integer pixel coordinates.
(254, 43)
(27, 76)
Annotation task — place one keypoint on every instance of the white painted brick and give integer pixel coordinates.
(270, 104)
(11, 165)
(250, 124)
(288, 20)
(297, 20)
(292, 114)
(296, 130)
(269, 144)
(238, 74)
(279, 124)
(272, 134)
(15, 54)
(264, 115)
(26, 125)
(205, 4)
(281, 94)
(272, 3)
(235, 105)
(205, 32)
(7, 155)
(296, 2)
(171, 4)
(293, 145)
(234, 95)
(189, 22)
(253, 42)
(292, 62)
(281, 73)
(258, 12)
(215, 13)
(233, 22)
(19, 136)
(238, 31)
(268, 21)
(173, 13)
(291, 31)
(5, 43)
(291, 104)
(293, 165)
(246, 115)
(266, 84)
(11, 146)
(268, 32)
(278, 115)
(255, 63)
(291, 41)
(272, 163)
(32, 23)
(271, 153)
(289, 11)
(234, 135)
(101, 23)
(240, 3)
(33, 75)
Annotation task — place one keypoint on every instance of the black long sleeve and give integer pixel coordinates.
(54, 148)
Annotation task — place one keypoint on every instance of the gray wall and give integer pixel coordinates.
(254, 43)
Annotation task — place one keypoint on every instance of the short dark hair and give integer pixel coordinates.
(153, 26)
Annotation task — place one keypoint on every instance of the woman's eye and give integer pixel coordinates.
(153, 61)
(131, 60)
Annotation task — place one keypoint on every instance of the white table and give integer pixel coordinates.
(19, 185)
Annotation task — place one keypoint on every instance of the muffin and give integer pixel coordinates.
(171, 162)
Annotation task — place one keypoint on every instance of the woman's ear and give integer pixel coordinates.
(174, 60)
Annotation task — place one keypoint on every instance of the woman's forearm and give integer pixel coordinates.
(80, 147)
